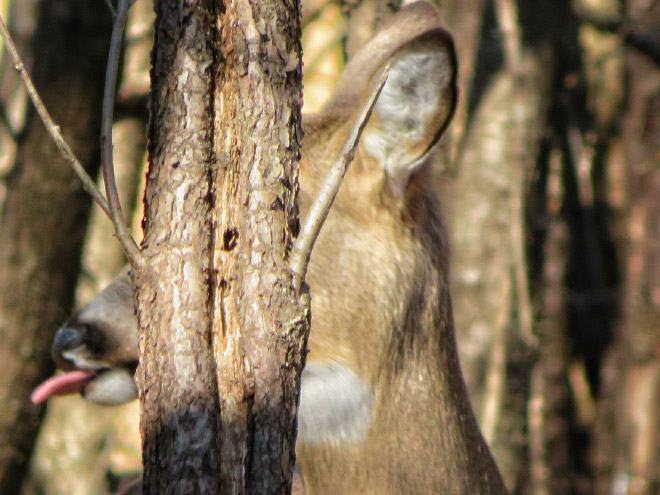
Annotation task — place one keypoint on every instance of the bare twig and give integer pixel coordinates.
(302, 249)
(525, 314)
(127, 242)
(111, 8)
(50, 125)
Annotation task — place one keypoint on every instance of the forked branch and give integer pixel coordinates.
(127, 242)
(112, 206)
(302, 249)
(51, 127)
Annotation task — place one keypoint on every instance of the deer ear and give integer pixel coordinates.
(414, 108)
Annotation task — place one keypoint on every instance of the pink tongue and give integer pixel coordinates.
(66, 383)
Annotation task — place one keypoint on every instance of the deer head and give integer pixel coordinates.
(383, 406)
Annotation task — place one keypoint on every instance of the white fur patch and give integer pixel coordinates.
(112, 388)
(335, 405)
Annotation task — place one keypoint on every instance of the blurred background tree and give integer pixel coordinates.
(551, 181)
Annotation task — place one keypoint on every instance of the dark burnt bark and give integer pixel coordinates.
(216, 306)
(179, 400)
(44, 217)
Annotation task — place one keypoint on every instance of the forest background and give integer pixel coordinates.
(550, 179)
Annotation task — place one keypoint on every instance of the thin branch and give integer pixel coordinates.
(127, 242)
(88, 184)
(111, 8)
(524, 306)
(302, 249)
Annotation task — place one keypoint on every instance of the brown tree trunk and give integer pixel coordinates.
(216, 305)
(104, 443)
(260, 324)
(626, 453)
(489, 278)
(179, 401)
(44, 218)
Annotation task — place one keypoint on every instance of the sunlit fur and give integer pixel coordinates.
(384, 408)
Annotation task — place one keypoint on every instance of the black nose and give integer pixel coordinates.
(66, 339)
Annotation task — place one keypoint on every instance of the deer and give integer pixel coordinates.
(383, 408)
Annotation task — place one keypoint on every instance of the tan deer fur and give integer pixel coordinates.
(384, 408)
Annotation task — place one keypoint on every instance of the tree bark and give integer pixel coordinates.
(44, 218)
(178, 391)
(216, 307)
(260, 324)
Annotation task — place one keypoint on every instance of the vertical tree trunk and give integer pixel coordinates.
(179, 401)
(626, 450)
(45, 216)
(216, 305)
(494, 335)
(260, 325)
